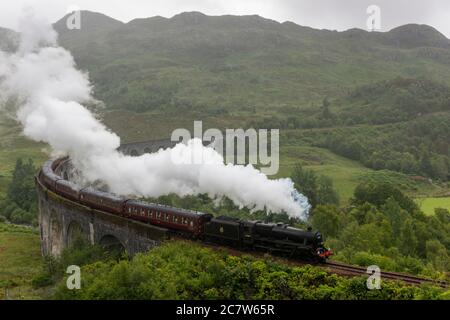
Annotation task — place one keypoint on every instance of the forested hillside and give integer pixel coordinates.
(194, 61)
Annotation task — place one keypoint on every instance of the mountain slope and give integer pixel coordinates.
(215, 63)
(90, 23)
(414, 35)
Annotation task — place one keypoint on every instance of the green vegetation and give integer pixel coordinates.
(222, 64)
(20, 261)
(416, 143)
(14, 146)
(429, 205)
(80, 253)
(20, 205)
(181, 270)
(318, 190)
(384, 227)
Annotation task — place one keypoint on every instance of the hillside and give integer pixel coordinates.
(213, 63)
(399, 125)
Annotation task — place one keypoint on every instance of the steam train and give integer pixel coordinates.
(277, 238)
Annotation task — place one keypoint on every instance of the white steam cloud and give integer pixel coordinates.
(50, 89)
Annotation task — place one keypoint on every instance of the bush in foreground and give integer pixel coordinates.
(186, 271)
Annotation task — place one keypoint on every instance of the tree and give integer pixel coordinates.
(318, 189)
(306, 183)
(378, 193)
(325, 192)
(438, 255)
(443, 215)
(408, 239)
(326, 219)
(395, 214)
(22, 190)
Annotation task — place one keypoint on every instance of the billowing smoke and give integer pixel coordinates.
(51, 91)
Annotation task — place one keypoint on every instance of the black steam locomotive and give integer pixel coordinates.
(278, 238)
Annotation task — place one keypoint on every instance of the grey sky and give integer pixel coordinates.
(327, 14)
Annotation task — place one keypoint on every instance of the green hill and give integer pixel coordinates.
(209, 63)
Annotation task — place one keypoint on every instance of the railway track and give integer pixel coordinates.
(349, 270)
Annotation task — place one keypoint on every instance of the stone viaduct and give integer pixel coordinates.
(61, 219)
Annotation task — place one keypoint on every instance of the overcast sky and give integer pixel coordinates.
(322, 14)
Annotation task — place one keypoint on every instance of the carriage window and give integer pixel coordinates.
(192, 223)
(129, 209)
(167, 217)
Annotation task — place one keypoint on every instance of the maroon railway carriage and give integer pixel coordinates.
(184, 221)
(47, 176)
(68, 189)
(102, 201)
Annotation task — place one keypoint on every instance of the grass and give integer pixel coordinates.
(133, 127)
(429, 204)
(20, 257)
(20, 261)
(345, 173)
(14, 145)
